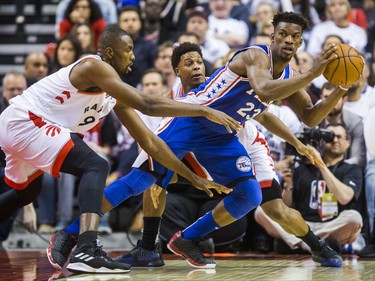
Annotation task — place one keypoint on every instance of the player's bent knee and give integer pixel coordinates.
(99, 164)
(246, 196)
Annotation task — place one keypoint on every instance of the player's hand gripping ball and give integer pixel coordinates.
(347, 68)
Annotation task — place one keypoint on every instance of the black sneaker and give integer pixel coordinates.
(140, 257)
(368, 252)
(90, 258)
(326, 256)
(189, 251)
(61, 244)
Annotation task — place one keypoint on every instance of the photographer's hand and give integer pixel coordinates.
(311, 153)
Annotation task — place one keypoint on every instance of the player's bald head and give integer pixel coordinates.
(113, 37)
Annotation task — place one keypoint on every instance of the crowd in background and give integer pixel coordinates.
(220, 27)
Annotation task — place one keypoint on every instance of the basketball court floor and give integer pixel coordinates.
(29, 265)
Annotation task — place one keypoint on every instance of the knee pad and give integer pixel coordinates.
(134, 183)
(246, 195)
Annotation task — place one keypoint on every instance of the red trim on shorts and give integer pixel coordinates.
(150, 163)
(266, 184)
(61, 157)
(195, 165)
(21, 186)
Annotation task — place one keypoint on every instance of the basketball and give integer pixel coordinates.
(346, 68)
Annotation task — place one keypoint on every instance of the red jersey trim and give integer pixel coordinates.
(21, 186)
(61, 157)
(266, 184)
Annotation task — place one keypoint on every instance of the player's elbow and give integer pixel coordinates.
(265, 96)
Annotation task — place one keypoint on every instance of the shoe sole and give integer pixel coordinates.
(145, 264)
(49, 254)
(177, 252)
(331, 264)
(79, 267)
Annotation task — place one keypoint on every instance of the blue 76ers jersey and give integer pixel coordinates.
(228, 92)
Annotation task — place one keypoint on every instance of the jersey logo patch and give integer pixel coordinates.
(243, 164)
(52, 130)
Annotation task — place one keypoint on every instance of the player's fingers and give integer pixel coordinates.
(228, 128)
(328, 54)
(208, 192)
(225, 189)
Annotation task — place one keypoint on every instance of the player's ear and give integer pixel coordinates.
(109, 52)
(300, 42)
(177, 71)
(272, 37)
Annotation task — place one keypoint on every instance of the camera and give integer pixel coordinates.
(311, 136)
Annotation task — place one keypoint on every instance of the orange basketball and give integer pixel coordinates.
(347, 68)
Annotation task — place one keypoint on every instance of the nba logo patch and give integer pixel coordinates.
(243, 164)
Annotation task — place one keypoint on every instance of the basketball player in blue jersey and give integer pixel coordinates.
(253, 77)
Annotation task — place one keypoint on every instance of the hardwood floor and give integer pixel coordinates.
(33, 266)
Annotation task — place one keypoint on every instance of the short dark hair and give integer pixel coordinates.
(328, 86)
(291, 18)
(155, 70)
(110, 37)
(130, 8)
(182, 49)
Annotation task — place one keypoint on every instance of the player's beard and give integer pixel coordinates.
(335, 112)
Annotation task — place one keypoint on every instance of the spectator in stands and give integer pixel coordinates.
(164, 64)
(144, 51)
(356, 153)
(325, 197)
(79, 11)
(68, 50)
(172, 20)
(264, 11)
(222, 26)
(151, 13)
(252, 5)
(35, 67)
(212, 48)
(14, 83)
(107, 7)
(337, 12)
(85, 35)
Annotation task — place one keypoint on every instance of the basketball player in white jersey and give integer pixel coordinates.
(41, 132)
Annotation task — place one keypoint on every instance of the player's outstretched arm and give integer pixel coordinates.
(257, 65)
(159, 150)
(95, 73)
(277, 127)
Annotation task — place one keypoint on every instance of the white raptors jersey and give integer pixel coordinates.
(56, 100)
